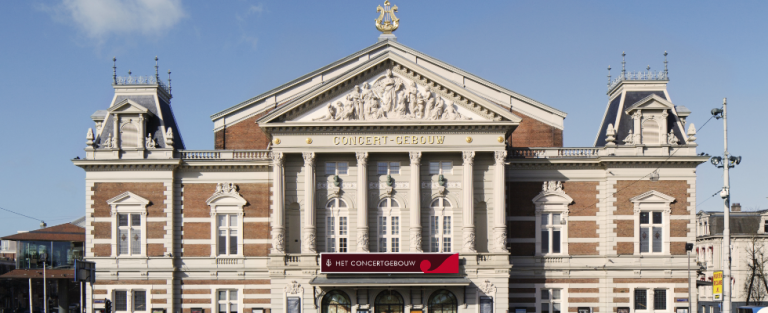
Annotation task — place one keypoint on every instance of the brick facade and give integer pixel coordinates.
(242, 136)
(534, 133)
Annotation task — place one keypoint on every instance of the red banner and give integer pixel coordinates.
(389, 263)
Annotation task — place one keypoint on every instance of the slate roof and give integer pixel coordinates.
(154, 123)
(63, 232)
(624, 124)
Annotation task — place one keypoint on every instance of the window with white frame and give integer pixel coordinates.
(651, 232)
(337, 226)
(228, 226)
(440, 167)
(226, 301)
(388, 225)
(139, 300)
(551, 300)
(650, 299)
(440, 224)
(336, 168)
(551, 214)
(652, 210)
(129, 224)
(121, 300)
(551, 229)
(129, 234)
(388, 168)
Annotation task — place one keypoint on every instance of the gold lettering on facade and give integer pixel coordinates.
(382, 140)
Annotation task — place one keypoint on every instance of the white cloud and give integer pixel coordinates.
(100, 18)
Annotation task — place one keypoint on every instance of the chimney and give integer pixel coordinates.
(736, 207)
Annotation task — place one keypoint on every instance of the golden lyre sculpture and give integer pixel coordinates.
(387, 21)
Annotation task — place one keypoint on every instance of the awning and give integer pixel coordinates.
(378, 282)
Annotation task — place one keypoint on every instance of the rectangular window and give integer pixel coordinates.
(550, 233)
(446, 225)
(382, 244)
(129, 234)
(227, 227)
(651, 232)
(382, 225)
(660, 299)
(336, 237)
(342, 244)
(765, 227)
(140, 300)
(395, 245)
(550, 300)
(440, 167)
(446, 244)
(336, 168)
(227, 301)
(343, 226)
(641, 299)
(395, 225)
(388, 168)
(121, 300)
(434, 226)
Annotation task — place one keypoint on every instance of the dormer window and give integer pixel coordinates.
(650, 116)
(129, 126)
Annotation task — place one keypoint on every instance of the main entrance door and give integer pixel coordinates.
(389, 301)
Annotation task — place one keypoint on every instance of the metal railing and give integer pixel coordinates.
(141, 80)
(647, 75)
(225, 154)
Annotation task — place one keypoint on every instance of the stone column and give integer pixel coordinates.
(415, 209)
(278, 208)
(310, 215)
(468, 212)
(362, 201)
(499, 243)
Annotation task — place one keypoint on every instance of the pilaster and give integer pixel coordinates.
(362, 201)
(468, 204)
(308, 232)
(415, 205)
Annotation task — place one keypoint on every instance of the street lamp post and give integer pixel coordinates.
(727, 161)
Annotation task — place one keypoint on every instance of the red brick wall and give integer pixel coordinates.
(625, 248)
(244, 135)
(582, 248)
(196, 250)
(256, 230)
(522, 249)
(154, 192)
(156, 230)
(522, 229)
(533, 133)
(519, 198)
(102, 230)
(628, 189)
(256, 195)
(624, 228)
(102, 249)
(584, 194)
(582, 229)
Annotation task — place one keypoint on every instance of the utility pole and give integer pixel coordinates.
(726, 162)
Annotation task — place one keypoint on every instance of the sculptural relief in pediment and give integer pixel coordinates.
(389, 96)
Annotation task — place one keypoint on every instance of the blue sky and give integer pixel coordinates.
(56, 68)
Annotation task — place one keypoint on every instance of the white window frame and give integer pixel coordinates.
(228, 228)
(388, 234)
(441, 212)
(388, 165)
(550, 202)
(563, 296)
(336, 214)
(129, 298)
(128, 203)
(336, 166)
(653, 201)
(228, 301)
(440, 165)
(649, 297)
(226, 200)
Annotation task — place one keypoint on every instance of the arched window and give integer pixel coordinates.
(651, 132)
(336, 226)
(336, 301)
(443, 301)
(389, 301)
(389, 225)
(129, 136)
(440, 224)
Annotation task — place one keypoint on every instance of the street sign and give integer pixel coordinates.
(85, 271)
(717, 286)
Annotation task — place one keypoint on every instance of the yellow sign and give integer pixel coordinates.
(717, 286)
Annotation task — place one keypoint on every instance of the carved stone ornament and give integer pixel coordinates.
(226, 189)
(500, 156)
(278, 242)
(610, 136)
(89, 138)
(672, 139)
(487, 287)
(150, 142)
(469, 157)
(278, 158)
(169, 137)
(416, 239)
(294, 288)
(108, 142)
(391, 97)
(387, 22)
(630, 140)
(469, 240)
(552, 186)
(415, 157)
(309, 158)
(501, 240)
(309, 241)
(362, 241)
(691, 133)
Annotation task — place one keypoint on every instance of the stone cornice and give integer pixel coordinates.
(128, 165)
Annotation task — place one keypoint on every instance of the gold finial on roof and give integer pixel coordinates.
(387, 21)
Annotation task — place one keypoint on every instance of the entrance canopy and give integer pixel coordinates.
(379, 282)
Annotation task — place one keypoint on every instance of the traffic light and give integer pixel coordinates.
(107, 306)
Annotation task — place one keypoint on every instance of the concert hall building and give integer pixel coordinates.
(392, 156)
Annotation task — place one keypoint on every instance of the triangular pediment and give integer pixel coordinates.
(388, 89)
(652, 196)
(129, 106)
(651, 102)
(128, 198)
